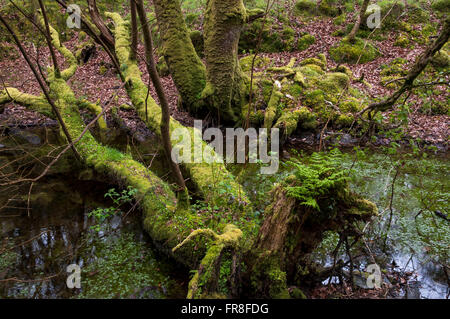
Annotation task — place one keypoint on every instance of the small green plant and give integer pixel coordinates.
(101, 214)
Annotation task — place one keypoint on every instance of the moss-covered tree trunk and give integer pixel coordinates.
(186, 68)
(225, 90)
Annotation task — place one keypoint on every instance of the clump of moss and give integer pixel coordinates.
(305, 41)
(344, 69)
(314, 61)
(309, 7)
(102, 70)
(328, 8)
(416, 14)
(246, 62)
(441, 59)
(395, 69)
(339, 20)
(353, 52)
(441, 6)
(305, 7)
(391, 11)
(402, 41)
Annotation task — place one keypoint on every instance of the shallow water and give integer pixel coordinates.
(419, 245)
(39, 238)
(118, 261)
(51, 238)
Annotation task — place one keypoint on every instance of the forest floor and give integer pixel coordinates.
(90, 83)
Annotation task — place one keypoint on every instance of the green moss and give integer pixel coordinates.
(309, 7)
(274, 37)
(287, 122)
(305, 7)
(404, 26)
(307, 119)
(358, 51)
(340, 20)
(395, 9)
(246, 62)
(271, 110)
(205, 177)
(35, 103)
(197, 40)
(441, 59)
(441, 6)
(305, 41)
(102, 70)
(314, 61)
(187, 70)
(329, 8)
(402, 41)
(344, 69)
(394, 70)
(82, 36)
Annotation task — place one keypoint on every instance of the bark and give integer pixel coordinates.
(42, 85)
(48, 39)
(105, 33)
(186, 68)
(94, 33)
(165, 111)
(352, 34)
(291, 231)
(134, 30)
(225, 89)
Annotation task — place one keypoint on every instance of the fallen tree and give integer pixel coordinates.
(260, 261)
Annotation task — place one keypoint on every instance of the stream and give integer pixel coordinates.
(48, 227)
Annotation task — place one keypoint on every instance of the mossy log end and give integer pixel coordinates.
(291, 231)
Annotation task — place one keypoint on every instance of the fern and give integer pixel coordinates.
(322, 177)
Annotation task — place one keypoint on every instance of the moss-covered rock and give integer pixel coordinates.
(339, 20)
(310, 7)
(394, 70)
(352, 52)
(303, 7)
(402, 41)
(246, 62)
(390, 21)
(329, 8)
(314, 61)
(441, 59)
(305, 41)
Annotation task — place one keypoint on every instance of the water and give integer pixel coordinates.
(118, 261)
(41, 236)
(418, 246)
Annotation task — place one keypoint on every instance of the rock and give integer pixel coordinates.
(25, 136)
(347, 140)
